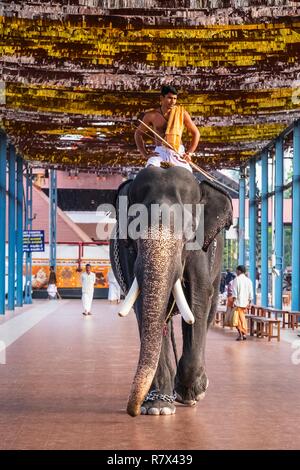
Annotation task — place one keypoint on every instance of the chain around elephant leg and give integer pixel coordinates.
(157, 403)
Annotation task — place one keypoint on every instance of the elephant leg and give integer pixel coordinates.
(160, 399)
(191, 380)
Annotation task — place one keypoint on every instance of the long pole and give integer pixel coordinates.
(296, 221)
(175, 151)
(52, 217)
(252, 226)
(192, 164)
(264, 232)
(3, 220)
(242, 201)
(28, 226)
(11, 227)
(278, 221)
(20, 231)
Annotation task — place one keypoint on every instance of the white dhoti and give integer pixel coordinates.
(87, 281)
(52, 291)
(87, 299)
(114, 291)
(167, 155)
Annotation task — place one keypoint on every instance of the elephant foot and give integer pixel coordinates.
(157, 407)
(191, 395)
(158, 404)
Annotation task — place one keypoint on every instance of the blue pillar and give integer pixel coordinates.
(28, 225)
(52, 217)
(3, 220)
(264, 231)
(11, 227)
(19, 231)
(296, 221)
(252, 225)
(278, 221)
(242, 201)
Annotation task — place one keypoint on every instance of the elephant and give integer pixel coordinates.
(156, 271)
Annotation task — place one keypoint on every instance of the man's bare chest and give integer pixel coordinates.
(160, 124)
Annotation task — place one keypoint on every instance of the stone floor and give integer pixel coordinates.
(65, 379)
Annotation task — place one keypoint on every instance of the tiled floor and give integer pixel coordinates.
(66, 381)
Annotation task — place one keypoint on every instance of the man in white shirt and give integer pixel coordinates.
(88, 280)
(242, 293)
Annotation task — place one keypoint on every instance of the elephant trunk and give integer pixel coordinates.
(158, 266)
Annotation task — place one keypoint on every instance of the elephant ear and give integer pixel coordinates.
(122, 253)
(218, 211)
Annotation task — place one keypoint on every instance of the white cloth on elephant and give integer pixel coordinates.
(87, 282)
(114, 291)
(167, 155)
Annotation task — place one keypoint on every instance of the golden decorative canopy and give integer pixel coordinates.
(76, 75)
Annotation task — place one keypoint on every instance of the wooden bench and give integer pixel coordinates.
(288, 317)
(263, 326)
(293, 319)
(218, 317)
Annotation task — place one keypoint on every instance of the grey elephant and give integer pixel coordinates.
(158, 270)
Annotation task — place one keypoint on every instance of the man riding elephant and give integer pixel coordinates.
(168, 122)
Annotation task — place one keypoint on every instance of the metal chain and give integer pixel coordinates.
(117, 260)
(213, 253)
(155, 395)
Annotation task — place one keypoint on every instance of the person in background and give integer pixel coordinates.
(229, 276)
(222, 284)
(257, 279)
(88, 280)
(242, 294)
(114, 291)
(52, 288)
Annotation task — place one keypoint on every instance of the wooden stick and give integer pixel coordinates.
(193, 165)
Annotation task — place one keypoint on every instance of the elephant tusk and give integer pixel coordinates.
(130, 299)
(182, 304)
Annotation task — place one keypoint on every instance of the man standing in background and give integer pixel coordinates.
(88, 280)
(242, 295)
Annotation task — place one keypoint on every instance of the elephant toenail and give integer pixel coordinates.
(153, 411)
(167, 411)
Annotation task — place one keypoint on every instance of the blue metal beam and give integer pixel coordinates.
(278, 221)
(11, 227)
(264, 232)
(52, 217)
(3, 220)
(296, 221)
(28, 225)
(242, 201)
(252, 226)
(19, 231)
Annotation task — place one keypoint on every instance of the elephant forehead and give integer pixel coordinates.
(159, 185)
